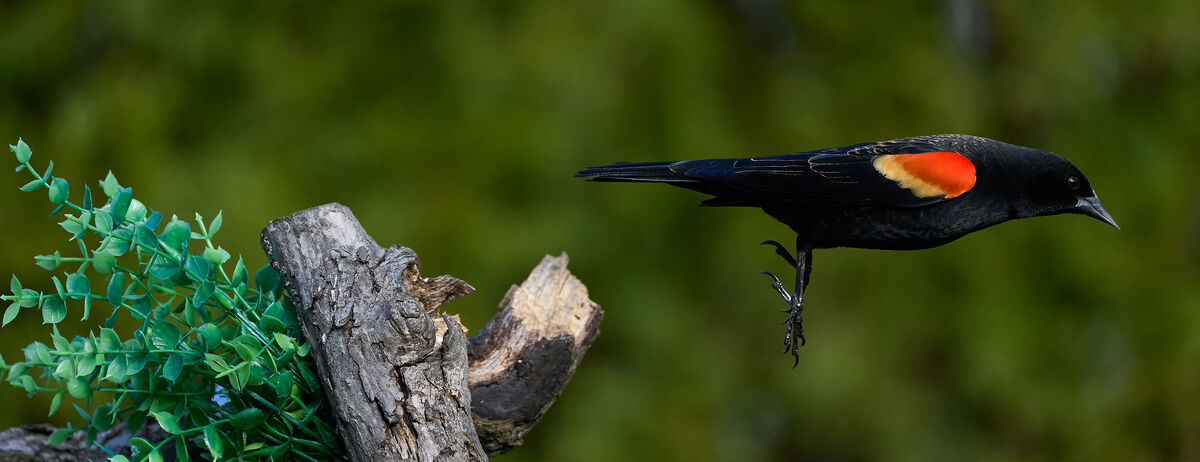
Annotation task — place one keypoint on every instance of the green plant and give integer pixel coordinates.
(216, 362)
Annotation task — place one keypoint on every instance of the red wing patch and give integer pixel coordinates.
(929, 174)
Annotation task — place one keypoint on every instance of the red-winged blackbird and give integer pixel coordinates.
(903, 194)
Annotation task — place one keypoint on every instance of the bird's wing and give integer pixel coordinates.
(895, 173)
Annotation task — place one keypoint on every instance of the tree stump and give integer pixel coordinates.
(396, 371)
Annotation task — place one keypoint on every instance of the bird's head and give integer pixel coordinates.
(1050, 185)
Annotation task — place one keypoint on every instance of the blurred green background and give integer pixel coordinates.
(454, 128)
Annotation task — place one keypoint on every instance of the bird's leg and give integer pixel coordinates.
(794, 333)
(783, 252)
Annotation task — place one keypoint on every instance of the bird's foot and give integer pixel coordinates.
(793, 337)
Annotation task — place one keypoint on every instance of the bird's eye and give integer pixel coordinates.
(1073, 182)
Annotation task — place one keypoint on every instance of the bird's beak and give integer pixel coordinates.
(1091, 207)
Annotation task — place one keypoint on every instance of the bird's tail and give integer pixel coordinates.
(652, 172)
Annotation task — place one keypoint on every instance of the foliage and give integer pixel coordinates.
(216, 362)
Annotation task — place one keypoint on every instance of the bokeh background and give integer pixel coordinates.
(454, 128)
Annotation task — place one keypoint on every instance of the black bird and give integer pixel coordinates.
(902, 194)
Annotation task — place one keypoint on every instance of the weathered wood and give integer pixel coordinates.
(398, 389)
(524, 356)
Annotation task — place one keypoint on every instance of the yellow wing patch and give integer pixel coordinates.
(929, 174)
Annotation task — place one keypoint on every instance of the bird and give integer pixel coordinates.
(903, 194)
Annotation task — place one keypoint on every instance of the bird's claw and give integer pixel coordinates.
(782, 251)
(787, 298)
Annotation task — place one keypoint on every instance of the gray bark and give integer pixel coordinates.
(397, 383)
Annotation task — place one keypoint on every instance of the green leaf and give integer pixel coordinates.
(118, 242)
(55, 403)
(61, 344)
(84, 365)
(117, 370)
(164, 335)
(176, 234)
(215, 225)
(39, 353)
(54, 310)
(134, 421)
(173, 367)
(197, 268)
(144, 238)
(65, 369)
(120, 204)
(275, 310)
(109, 341)
(151, 221)
(287, 356)
(266, 279)
(58, 191)
(284, 341)
(140, 308)
(240, 376)
(239, 273)
(246, 352)
(140, 448)
(168, 422)
(58, 287)
(103, 418)
(15, 285)
(72, 225)
(32, 185)
(30, 298)
(78, 387)
(11, 313)
(84, 219)
(134, 362)
(137, 212)
(116, 289)
(250, 345)
(283, 384)
(49, 262)
(103, 261)
(279, 452)
(210, 335)
(104, 222)
(216, 256)
(22, 151)
(203, 293)
(28, 384)
(247, 419)
(216, 363)
(60, 435)
(212, 440)
(87, 198)
(270, 324)
(110, 185)
(118, 458)
(78, 285)
(163, 268)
